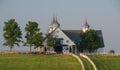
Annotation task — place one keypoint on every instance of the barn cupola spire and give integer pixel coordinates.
(54, 24)
(86, 26)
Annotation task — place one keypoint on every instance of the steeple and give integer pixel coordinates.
(53, 19)
(54, 24)
(85, 26)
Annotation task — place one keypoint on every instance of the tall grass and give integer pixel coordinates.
(38, 62)
(106, 62)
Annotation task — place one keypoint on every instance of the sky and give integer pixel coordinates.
(71, 14)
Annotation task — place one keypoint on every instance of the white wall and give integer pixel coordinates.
(59, 33)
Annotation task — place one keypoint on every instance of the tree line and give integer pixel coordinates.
(89, 40)
(13, 34)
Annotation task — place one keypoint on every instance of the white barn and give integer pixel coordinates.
(69, 39)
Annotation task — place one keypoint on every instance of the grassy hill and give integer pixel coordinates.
(56, 62)
(106, 62)
(38, 62)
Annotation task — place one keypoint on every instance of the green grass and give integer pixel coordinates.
(38, 62)
(106, 62)
(86, 63)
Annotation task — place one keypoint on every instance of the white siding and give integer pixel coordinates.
(60, 34)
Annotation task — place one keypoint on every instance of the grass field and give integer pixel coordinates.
(106, 62)
(87, 64)
(38, 62)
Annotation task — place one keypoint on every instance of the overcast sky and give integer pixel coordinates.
(71, 14)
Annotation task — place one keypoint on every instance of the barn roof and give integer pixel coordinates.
(74, 35)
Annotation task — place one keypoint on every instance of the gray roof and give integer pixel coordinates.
(99, 32)
(74, 35)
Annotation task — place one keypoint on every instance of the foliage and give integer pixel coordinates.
(12, 33)
(38, 39)
(89, 41)
(38, 62)
(33, 36)
(50, 40)
(54, 42)
(111, 51)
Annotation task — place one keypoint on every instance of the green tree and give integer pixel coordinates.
(112, 51)
(37, 39)
(50, 40)
(12, 33)
(33, 35)
(89, 41)
(53, 41)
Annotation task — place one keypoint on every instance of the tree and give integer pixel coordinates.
(89, 41)
(50, 40)
(112, 51)
(37, 39)
(53, 41)
(12, 33)
(33, 36)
